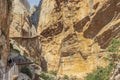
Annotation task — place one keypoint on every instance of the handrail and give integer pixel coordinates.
(10, 74)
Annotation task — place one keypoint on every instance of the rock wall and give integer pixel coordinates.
(5, 6)
(35, 14)
(26, 4)
(21, 25)
(28, 47)
(23, 33)
(77, 28)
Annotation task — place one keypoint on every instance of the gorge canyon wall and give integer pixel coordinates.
(74, 33)
(22, 33)
(66, 36)
(5, 19)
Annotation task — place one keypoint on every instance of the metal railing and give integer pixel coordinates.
(10, 74)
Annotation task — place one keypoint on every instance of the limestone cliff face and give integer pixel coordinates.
(35, 14)
(5, 6)
(21, 25)
(73, 32)
(25, 3)
(28, 47)
(23, 33)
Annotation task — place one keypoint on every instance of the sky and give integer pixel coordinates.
(33, 2)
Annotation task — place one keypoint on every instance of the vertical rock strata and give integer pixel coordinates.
(5, 6)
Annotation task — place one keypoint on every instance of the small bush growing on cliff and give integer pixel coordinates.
(101, 73)
(114, 47)
(53, 73)
(115, 43)
(44, 76)
(47, 76)
(66, 77)
(26, 71)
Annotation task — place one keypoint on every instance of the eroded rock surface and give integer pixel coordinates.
(77, 28)
(23, 33)
(21, 25)
(5, 6)
(28, 47)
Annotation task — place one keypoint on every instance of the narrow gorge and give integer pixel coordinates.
(60, 39)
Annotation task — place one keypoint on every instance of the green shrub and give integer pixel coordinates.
(47, 76)
(66, 77)
(115, 43)
(26, 71)
(53, 73)
(101, 73)
(44, 76)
